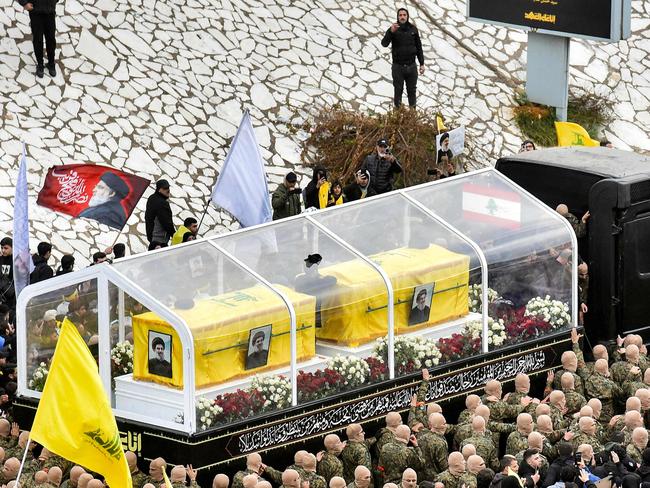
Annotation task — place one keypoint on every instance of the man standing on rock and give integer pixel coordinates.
(42, 18)
(406, 45)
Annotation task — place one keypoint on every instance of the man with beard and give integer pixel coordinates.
(420, 312)
(158, 365)
(104, 205)
(406, 45)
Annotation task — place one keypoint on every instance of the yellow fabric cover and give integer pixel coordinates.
(357, 312)
(223, 324)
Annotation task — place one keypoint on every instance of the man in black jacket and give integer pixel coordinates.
(41, 271)
(7, 291)
(406, 45)
(42, 18)
(361, 187)
(382, 167)
(158, 216)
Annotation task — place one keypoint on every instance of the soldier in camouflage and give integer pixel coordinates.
(500, 410)
(518, 440)
(329, 464)
(475, 464)
(628, 370)
(156, 468)
(587, 434)
(362, 478)
(137, 476)
(409, 479)
(434, 447)
(396, 456)
(569, 365)
(632, 385)
(76, 471)
(558, 408)
(418, 410)
(387, 434)
(468, 450)
(579, 226)
(493, 428)
(573, 400)
(298, 460)
(179, 475)
(221, 481)
(290, 479)
(471, 402)
(337, 482)
(356, 452)
(483, 443)
(309, 467)
(600, 386)
(522, 390)
(638, 444)
(454, 476)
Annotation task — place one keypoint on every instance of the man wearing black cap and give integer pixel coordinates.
(158, 216)
(104, 205)
(406, 45)
(382, 167)
(286, 197)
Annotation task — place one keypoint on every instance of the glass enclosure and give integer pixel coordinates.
(217, 330)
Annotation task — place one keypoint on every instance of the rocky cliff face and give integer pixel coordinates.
(157, 87)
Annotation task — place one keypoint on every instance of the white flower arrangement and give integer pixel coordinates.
(122, 357)
(353, 369)
(554, 312)
(496, 331)
(275, 389)
(421, 351)
(39, 377)
(475, 297)
(206, 413)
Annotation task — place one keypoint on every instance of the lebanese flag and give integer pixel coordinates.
(90, 191)
(495, 206)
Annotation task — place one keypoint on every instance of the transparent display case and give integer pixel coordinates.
(226, 328)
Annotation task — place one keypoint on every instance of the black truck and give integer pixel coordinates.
(614, 186)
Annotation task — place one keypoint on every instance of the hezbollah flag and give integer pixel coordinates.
(570, 134)
(74, 418)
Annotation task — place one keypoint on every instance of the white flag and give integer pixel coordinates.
(241, 188)
(23, 264)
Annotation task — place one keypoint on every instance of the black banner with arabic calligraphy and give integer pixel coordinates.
(92, 191)
(592, 18)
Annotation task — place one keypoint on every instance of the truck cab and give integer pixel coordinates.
(614, 186)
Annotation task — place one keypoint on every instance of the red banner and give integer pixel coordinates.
(93, 192)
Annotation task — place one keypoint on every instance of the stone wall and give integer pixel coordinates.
(157, 87)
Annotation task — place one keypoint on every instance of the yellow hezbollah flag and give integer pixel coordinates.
(74, 418)
(168, 483)
(570, 134)
(440, 124)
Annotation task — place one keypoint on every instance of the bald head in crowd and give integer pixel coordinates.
(569, 361)
(55, 476)
(179, 475)
(403, 433)
(483, 411)
(290, 478)
(220, 481)
(337, 482)
(494, 388)
(632, 403)
(248, 481)
(393, 419)
(10, 468)
(5, 428)
(601, 367)
(354, 432)
(522, 383)
(362, 477)
(75, 473)
(433, 407)
(478, 425)
(468, 451)
(84, 479)
(475, 464)
(600, 352)
(567, 382)
(542, 409)
(95, 484)
(333, 443)
(253, 462)
(309, 462)
(40, 477)
(472, 401)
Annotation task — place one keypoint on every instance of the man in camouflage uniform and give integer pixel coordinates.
(9, 470)
(387, 434)
(409, 479)
(19, 449)
(579, 226)
(633, 384)
(179, 474)
(454, 476)
(518, 440)
(8, 434)
(253, 466)
(362, 478)
(600, 386)
(569, 365)
(500, 410)
(137, 476)
(290, 479)
(637, 446)
(522, 390)
(396, 456)
(418, 410)
(475, 464)
(471, 402)
(77, 471)
(483, 443)
(587, 434)
(574, 400)
(329, 464)
(298, 461)
(356, 452)
(557, 404)
(433, 444)
(309, 466)
(627, 370)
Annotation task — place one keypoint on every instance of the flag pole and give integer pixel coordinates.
(20, 470)
(205, 211)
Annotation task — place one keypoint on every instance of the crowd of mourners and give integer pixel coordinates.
(585, 429)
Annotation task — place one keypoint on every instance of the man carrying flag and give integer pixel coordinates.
(79, 427)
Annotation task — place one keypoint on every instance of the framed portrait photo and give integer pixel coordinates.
(259, 343)
(421, 304)
(160, 354)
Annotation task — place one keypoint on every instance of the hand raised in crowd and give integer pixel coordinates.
(568, 435)
(414, 401)
(619, 341)
(584, 476)
(635, 370)
(394, 27)
(413, 440)
(550, 377)
(29, 7)
(535, 477)
(575, 337)
(191, 472)
(586, 216)
(425, 374)
(320, 182)
(583, 308)
(15, 430)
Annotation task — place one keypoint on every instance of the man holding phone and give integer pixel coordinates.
(286, 197)
(382, 167)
